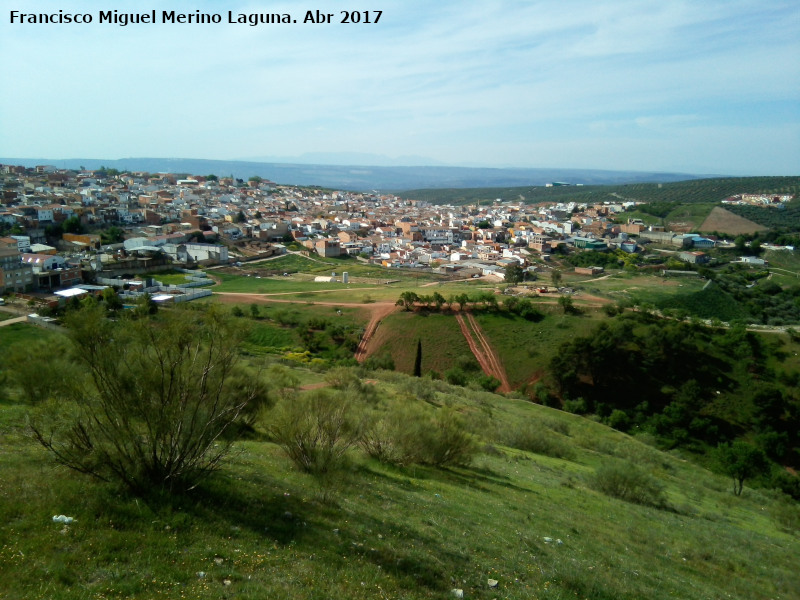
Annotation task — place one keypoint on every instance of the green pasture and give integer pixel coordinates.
(784, 265)
(362, 291)
(525, 347)
(22, 333)
(170, 277)
(530, 522)
(641, 288)
(692, 214)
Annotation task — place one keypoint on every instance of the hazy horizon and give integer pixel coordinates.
(628, 85)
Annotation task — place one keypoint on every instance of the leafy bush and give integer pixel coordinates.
(618, 419)
(384, 361)
(455, 376)
(488, 382)
(558, 425)
(316, 429)
(741, 460)
(157, 401)
(420, 388)
(446, 441)
(62, 378)
(408, 434)
(342, 378)
(786, 514)
(577, 406)
(467, 363)
(382, 440)
(627, 482)
(533, 437)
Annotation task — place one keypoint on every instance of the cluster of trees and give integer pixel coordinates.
(479, 301)
(738, 293)
(593, 258)
(687, 385)
(781, 221)
(763, 300)
(467, 372)
(658, 209)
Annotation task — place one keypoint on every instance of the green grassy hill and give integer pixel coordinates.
(787, 219)
(536, 511)
(633, 522)
(692, 191)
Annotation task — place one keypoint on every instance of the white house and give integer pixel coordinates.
(44, 262)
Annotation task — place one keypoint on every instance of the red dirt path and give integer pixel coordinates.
(483, 350)
(378, 311)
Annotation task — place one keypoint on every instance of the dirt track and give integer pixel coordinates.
(378, 311)
(240, 297)
(478, 344)
(483, 351)
(381, 311)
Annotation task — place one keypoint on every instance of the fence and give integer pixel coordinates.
(183, 296)
(44, 322)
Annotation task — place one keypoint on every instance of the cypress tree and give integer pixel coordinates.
(418, 360)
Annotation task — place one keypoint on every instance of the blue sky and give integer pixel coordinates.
(692, 86)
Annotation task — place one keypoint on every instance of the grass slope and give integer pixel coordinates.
(21, 333)
(691, 191)
(442, 341)
(525, 347)
(261, 529)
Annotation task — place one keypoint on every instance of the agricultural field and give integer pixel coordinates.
(267, 285)
(442, 341)
(724, 221)
(301, 287)
(525, 347)
(635, 288)
(787, 219)
(688, 217)
(300, 263)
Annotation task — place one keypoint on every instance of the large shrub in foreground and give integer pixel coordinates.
(158, 397)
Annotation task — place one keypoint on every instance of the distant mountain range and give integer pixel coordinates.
(364, 178)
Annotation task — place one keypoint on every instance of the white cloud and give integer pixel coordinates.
(480, 82)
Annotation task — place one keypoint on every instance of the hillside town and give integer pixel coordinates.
(85, 229)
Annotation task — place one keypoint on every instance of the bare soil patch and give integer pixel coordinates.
(725, 221)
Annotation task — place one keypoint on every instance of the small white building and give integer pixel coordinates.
(44, 262)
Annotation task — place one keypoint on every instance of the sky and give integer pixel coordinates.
(704, 87)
